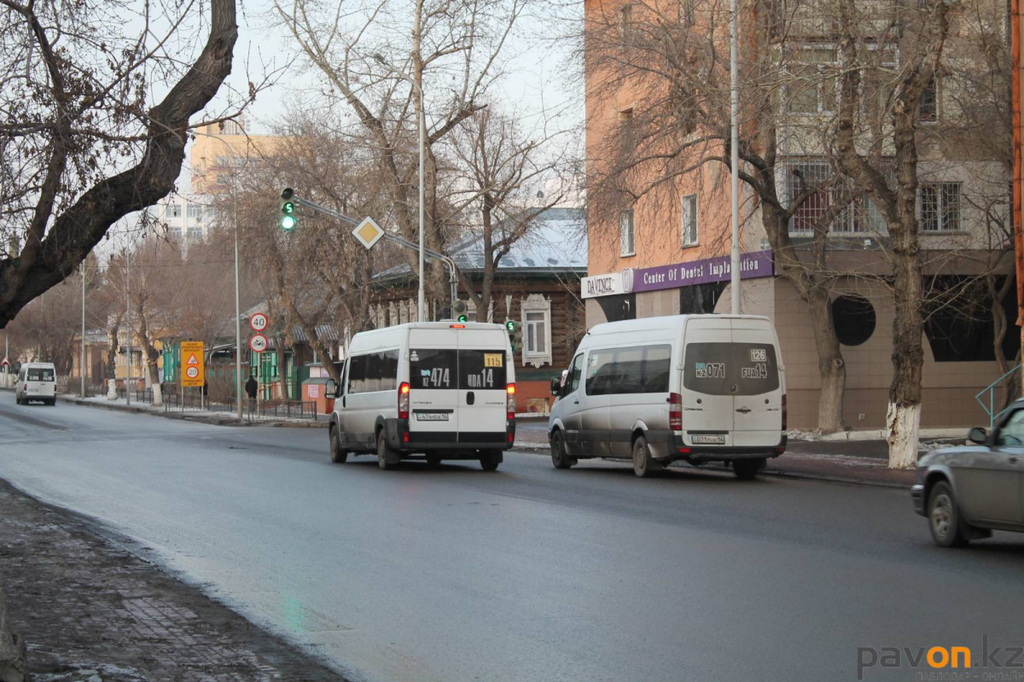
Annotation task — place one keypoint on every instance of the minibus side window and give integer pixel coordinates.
(657, 360)
(600, 366)
(574, 375)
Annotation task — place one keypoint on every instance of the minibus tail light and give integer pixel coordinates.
(784, 414)
(403, 400)
(675, 412)
(510, 401)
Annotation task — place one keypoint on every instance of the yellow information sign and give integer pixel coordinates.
(192, 367)
(493, 359)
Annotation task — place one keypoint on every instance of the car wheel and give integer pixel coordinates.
(746, 469)
(644, 465)
(383, 452)
(489, 461)
(559, 457)
(944, 517)
(338, 454)
(433, 461)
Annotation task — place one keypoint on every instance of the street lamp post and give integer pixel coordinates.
(128, 316)
(734, 104)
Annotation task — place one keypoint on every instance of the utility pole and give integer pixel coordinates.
(128, 315)
(734, 104)
(421, 120)
(81, 367)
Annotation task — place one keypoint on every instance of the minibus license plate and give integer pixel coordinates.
(708, 438)
(431, 416)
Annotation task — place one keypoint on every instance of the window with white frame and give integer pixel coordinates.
(194, 234)
(536, 312)
(941, 207)
(627, 233)
(812, 83)
(173, 210)
(928, 107)
(195, 211)
(689, 220)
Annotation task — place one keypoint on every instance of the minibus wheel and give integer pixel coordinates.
(490, 460)
(338, 454)
(383, 451)
(559, 457)
(644, 465)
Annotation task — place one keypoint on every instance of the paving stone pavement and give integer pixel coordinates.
(91, 611)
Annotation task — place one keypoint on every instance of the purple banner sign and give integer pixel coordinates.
(752, 265)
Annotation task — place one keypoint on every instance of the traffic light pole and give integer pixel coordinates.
(401, 241)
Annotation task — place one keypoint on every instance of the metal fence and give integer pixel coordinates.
(262, 411)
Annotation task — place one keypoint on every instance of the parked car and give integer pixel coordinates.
(36, 381)
(968, 491)
(444, 389)
(697, 388)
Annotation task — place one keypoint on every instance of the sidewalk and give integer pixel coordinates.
(92, 611)
(219, 417)
(860, 462)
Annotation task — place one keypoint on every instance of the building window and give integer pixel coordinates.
(854, 319)
(812, 85)
(172, 210)
(689, 226)
(940, 207)
(176, 233)
(195, 211)
(223, 179)
(814, 181)
(536, 330)
(627, 233)
(195, 234)
(686, 13)
(625, 22)
(928, 108)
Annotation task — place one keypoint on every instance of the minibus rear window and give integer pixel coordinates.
(730, 368)
(474, 370)
(40, 374)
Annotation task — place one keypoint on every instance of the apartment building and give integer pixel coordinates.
(659, 213)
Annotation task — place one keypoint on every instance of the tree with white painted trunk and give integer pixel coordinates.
(922, 31)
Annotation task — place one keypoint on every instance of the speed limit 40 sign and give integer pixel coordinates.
(258, 343)
(258, 322)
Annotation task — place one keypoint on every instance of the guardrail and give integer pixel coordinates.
(990, 390)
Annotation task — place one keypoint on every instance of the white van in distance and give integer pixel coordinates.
(698, 388)
(444, 389)
(36, 381)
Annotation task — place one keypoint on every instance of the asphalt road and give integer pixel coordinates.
(527, 573)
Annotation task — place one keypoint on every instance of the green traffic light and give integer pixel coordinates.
(510, 325)
(288, 207)
(288, 223)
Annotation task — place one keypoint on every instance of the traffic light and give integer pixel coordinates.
(288, 218)
(515, 334)
(459, 308)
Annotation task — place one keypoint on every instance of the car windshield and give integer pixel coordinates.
(39, 374)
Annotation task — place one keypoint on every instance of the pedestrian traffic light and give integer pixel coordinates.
(515, 334)
(288, 218)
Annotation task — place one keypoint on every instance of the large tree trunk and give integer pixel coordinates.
(46, 261)
(831, 365)
(903, 418)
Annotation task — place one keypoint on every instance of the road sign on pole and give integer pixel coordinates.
(258, 343)
(259, 322)
(192, 364)
(368, 232)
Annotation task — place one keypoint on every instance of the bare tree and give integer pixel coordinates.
(369, 65)
(678, 133)
(80, 148)
(498, 173)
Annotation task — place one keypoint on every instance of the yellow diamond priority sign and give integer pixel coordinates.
(368, 232)
(192, 366)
